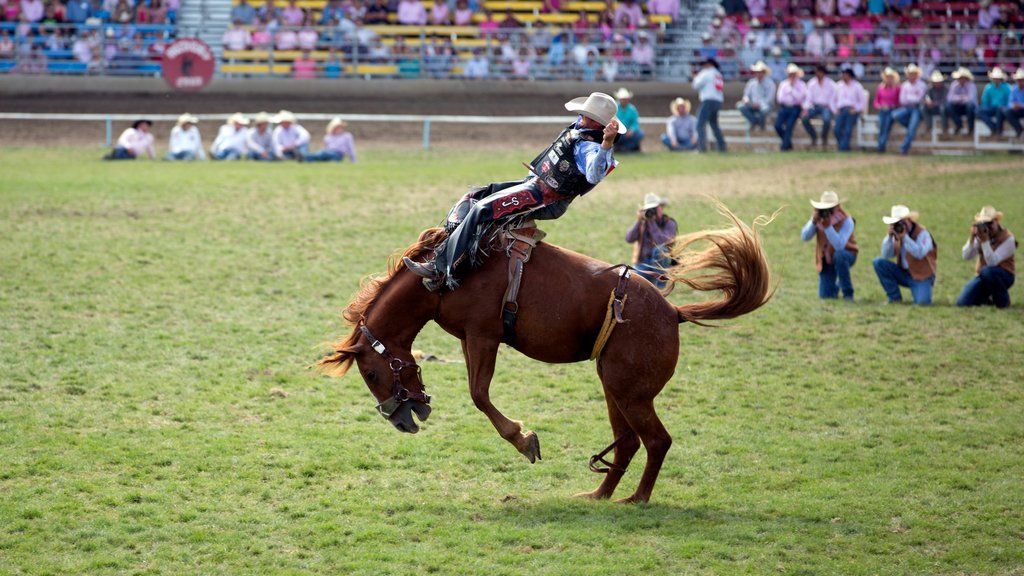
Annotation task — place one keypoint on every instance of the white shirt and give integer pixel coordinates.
(992, 257)
(229, 138)
(709, 84)
(294, 135)
(187, 141)
(259, 142)
(138, 142)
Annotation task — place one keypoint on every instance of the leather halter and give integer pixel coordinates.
(399, 393)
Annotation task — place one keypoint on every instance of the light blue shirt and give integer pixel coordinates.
(838, 239)
(592, 160)
(1016, 96)
(995, 97)
(917, 248)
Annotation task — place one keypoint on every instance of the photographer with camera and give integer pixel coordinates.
(916, 256)
(652, 235)
(835, 250)
(994, 246)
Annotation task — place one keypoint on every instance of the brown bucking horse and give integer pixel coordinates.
(563, 301)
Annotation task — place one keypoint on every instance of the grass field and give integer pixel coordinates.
(157, 413)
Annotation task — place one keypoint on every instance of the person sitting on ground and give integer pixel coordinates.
(835, 250)
(912, 93)
(630, 118)
(995, 247)
(758, 95)
(820, 91)
(994, 100)
(887, 99)
(680, 128)
(916, 256)
(576, 162)
(791, 96)
(338, 144)
(652, 235)
(230, 141)
(290, 140)
(1015, 110)
(935, 102)
(185, 141)
(962, 100)
(259, 141)
(134, 142)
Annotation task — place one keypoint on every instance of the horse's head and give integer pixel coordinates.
(395, 382)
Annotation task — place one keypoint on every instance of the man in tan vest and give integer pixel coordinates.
(994, 246)
(835, 249)
(915, 253)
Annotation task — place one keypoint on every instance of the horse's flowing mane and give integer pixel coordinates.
(338, 363)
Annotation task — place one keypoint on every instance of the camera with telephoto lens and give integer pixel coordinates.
(981, 228)
(650, 212)
(824, 213)
(898, 227)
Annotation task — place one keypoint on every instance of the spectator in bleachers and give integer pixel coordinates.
(643, 54)
(777, 62)
(333, 64)
(230, 141)
(307, 37)
(377, 12)
(292, 15)
(988, 14)
(995, 270)
(883, 43)
(757, 8)
(155, 13)
(55, 40)
(680, 128)
(269, 12)
(631, 10)
(590, 66)
(792, 94)
(123, 12)
(962, 100)
(935, 102)
(286, 38)
(668, 8)
(911, 98)
(848, 103)
(731, 8)
(260, 37)
(338, 144)
(848, 8)
(289, 139)
(304, 67)
(758, 95)
(331, 12)
(750, 53)
(463, 15)
(33, 10)
(709, 85)
(1015, 110)
(243, 12)
(439, 13)
(412, 13)
(6, 44)
(825, 8)
(820, 91)
(630, 118)
(77, 11)
(994, 100)
(488, 26)
(887, 99)
(522, 64)
(477, 67)
(134, 142)
(259, 141)
(185, 141)
(86, 49)
(820, 43)
(237, 37)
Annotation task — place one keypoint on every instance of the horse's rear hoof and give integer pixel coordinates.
(532, 450)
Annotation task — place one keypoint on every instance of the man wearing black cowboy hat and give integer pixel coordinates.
(709, 85)
(133, 142)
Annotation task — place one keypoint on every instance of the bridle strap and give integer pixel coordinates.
(399, 393)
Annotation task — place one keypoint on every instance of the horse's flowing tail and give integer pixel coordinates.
(733, 263)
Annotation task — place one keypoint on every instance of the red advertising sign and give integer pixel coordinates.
(188, 64)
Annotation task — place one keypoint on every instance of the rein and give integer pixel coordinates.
(399, 393)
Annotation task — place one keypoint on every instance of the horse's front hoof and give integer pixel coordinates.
(532, 448)
(634, 499)
(595, 495)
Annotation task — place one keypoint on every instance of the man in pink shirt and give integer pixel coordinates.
(338, 144)
(32, 10)
(820, 91)
(791, 94)
(912, 94)
(848, 104)
(412, 13)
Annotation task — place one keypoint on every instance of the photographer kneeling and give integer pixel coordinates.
(916, 256)
(835, 250)
(652, 234)
(994, 246)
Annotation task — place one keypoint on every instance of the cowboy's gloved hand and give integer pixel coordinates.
(610, 132)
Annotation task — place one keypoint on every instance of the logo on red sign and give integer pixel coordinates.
(188, 64)
(512, 203)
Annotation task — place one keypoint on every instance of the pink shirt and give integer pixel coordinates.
(791, 93)
(439, 13)
(848, 7)
(669, 7)
(849, 95)
(819, 93)
(887, 97)
(463, 17)
(307, 39)
(412, 12)
(343, 143)
(287, 40)
(912, 94)
(32, 9)
(304, 69)
(293, 16)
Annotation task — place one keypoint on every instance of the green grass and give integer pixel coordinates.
(148, 310)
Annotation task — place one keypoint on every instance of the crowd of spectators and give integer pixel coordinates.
(94, 34)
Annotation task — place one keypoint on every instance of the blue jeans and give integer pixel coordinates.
(630, 143)
(756, 117)
(826, 117)
(955, 110)
(785, 122)
(708, 113)
(892, 276)
(845, 123)
(836, 276)
(1013, 116)
(993, 118)
(884, 127)
(653, 267)
(990, 286)
(909, 116)
(253, 155)
(183, 155)
(680, 145)
(296, 152)
(228, 154)
(120, 153)
(325, 156)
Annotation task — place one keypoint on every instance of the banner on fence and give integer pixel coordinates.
(188, 64)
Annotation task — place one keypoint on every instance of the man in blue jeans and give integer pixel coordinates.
(995, 247)
(652, 235)
(835, 249)
(710, 86)
(916, 255)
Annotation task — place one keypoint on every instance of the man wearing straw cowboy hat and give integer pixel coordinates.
(791, 96)
(338, 144)
(290, 140)
(185, 141)
(820, 91)
(758, 95)
(835, 250)
(651, 236)
(848, 103)
(887, 99)
(630, 118)
(1015, 110)
(576, 162)
(995, 247)
(230, 141)
(994, 100)
(962, 100)
(916, 256)
(259, 141)
(912, 93)
(935, 102)
(680, 128)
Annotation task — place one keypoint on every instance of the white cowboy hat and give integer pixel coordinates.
(335, 122)
(829, 199)
(962, 72)
(623, 93)
(912, 69)
(755, 23)
(262, 118)
(284, 116)
(1019, 74)
(760, 66)
(820, 23)
(599, 107)
(988, 214)
(187, 118)
(899, 212)
(652, 200)
(238, 118)
(997, 74)
(890, 71)
(937, 76)
(794, 68)
(677, 103)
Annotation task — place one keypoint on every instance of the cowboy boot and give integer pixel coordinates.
(426, 270)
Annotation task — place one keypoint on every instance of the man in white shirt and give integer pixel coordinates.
(134, 142)
(912, 93)
(185, 143)
(758, 96)
(230, 141)
(290, 140)
(820, 91)
(709, 85)
(259, 140)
